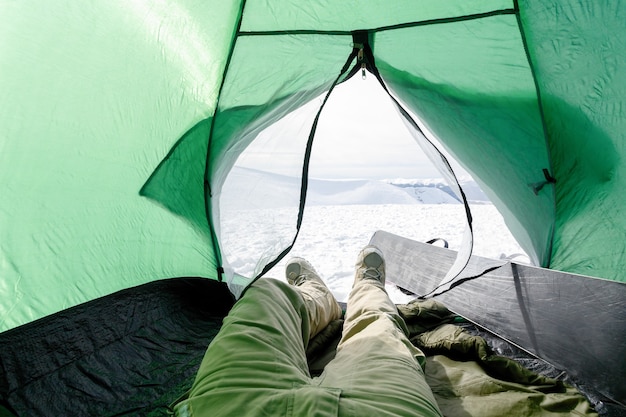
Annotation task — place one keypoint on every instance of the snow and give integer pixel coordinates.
(268, 190)
(340, 218)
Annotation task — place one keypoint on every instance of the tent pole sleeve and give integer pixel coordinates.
(208, 195)
(547, 173)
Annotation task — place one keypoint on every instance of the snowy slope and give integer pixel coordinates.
(259, 189)
(347, 192)
(339, 220)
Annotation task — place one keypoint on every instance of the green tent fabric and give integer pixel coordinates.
(120, 122)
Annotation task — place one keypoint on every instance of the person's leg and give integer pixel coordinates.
(258, 351)
(321, 304)
(257, 363)
(378, 369)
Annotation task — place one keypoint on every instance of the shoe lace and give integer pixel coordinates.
(297, 281)
(371, 273)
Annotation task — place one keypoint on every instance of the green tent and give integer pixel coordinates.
(120, 122)
(96, 97)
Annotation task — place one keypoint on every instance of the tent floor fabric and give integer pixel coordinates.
(136, 351)
(127, 354)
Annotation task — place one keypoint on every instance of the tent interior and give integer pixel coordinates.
(122, 122)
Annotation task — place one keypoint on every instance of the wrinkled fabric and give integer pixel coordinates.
(455, 342)
(423, 315)
(257, 365)
(464, 389)
(321, 306)
(468, 380)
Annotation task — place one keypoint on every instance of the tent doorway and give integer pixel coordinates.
(366, 173)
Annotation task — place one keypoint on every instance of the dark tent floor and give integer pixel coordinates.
(130, 353)
(136, 351)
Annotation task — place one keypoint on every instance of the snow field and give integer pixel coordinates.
(331, 236)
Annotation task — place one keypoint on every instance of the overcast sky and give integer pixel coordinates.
(359, 135)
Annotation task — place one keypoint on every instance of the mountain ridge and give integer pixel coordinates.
(254, 188)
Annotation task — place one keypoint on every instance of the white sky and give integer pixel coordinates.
(359, 135)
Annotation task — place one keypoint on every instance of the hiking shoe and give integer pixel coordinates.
(370, 265)
(299, 270)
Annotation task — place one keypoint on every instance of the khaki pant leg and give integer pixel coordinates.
(377, 368)
(321, 305)
(257, 358)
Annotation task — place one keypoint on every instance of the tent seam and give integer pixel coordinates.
(208, 193)
(548, 261)
(428, 22)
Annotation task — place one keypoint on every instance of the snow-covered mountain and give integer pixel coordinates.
(472, 191)
(248, 187)
(348, 192)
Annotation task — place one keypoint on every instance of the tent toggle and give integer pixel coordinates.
(538, 186)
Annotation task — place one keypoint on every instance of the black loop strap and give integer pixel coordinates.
(445, 242)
